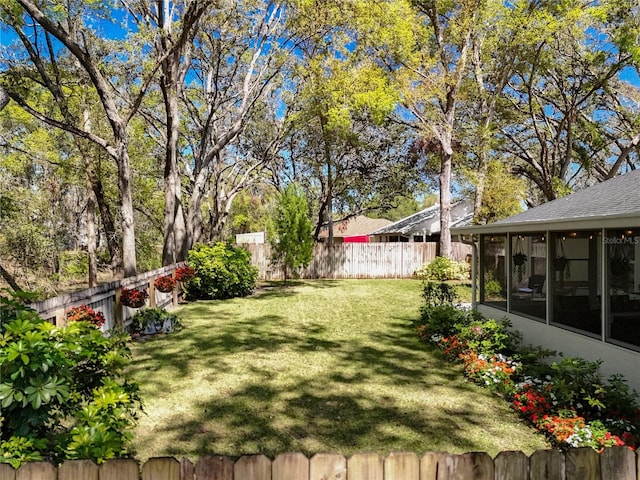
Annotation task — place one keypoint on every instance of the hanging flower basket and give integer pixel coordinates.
(519, 260)
(184, 274)
(85, 313)
(165, 284)
(133, 298)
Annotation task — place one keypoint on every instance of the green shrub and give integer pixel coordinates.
(221, 271)
(442, 269)
(63, 393)
(435, 294)
(487, 336)
(74, 264)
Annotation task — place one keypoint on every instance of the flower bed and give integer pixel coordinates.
(568, 400)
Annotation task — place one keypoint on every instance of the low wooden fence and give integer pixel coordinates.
(616, 463)
(106, 299)
(357, 260)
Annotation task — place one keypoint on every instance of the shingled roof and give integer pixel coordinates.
(428, 220)
(599, 205)
(355, 226)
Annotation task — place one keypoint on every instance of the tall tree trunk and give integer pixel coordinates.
(445, 204)
(126, 208)
(92, 238)
(108, 225)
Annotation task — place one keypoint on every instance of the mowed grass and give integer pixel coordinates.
(318, 366)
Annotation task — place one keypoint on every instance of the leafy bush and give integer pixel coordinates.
(154, 319)
(442, 269)
(221, 271)
(568, 400)
(74, 264)
(63, 393)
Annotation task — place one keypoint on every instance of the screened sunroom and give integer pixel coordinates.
(567, 273)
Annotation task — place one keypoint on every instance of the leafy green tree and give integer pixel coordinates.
(293, 244)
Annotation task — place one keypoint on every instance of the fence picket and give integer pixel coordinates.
(546, 465)
(37, 471)
(76, 469)
(583, 464)
(187, 469)
(7, 472)
(357, 260)
(618, 463)
(161, 468)
(455, 467)
(120, 469)
(402, 466)
(328, 466)
(429, 465)
(252, 467)
(290, 466)
(365, 466)
(214, 468)
(511, 466)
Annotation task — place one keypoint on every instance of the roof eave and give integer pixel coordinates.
(581, 223)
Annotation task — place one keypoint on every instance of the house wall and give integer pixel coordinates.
(614, 359)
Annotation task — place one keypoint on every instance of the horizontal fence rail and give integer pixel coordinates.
(105, 298)
(615, 463)
(358, 260)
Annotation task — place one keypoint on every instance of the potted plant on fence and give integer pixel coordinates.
(184, 274)
(134, 298)
(84, 313)
(165, 284)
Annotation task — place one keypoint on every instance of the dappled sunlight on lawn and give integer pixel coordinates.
(334, 369)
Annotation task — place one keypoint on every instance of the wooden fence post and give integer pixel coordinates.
(328, 466)
(547, 465)
(7, 472)
(290, 466)
(401, 466)
(429, 465)
(214, 468)
(187, 469)
(252, 467)
(618, 463)
(511, 466)
(582, 464)
(368, 466)
(78, 469)
(120, 469)
(161, 468)
(37, 471)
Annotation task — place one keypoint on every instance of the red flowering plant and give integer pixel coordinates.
(165, 284)
(85, 313)
(134, 298)
(567, 400)
(184, 274)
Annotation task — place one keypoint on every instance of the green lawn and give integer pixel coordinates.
(318, 366)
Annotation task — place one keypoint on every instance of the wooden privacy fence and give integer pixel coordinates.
(358, 260)
(106, 299)
(615, 463)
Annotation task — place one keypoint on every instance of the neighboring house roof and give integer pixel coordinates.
(355, 226)
(602, 205)
(428, 220)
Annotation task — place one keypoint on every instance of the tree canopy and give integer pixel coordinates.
(130, 130)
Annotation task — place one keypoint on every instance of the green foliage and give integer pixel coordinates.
(439, 294)
(487, 337)
(156, 317)
(74, 264)
(292, 246)
(63, 392)
(222, 271)
(442, 269)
